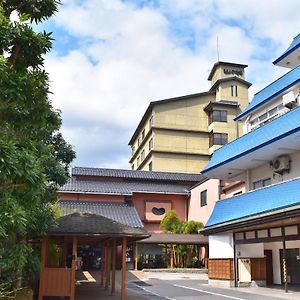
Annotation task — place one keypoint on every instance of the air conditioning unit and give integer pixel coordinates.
(281, 164)
(289, 100)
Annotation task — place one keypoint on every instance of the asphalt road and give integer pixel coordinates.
(156, 289)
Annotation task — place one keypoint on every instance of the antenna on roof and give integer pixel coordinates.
(218, 48)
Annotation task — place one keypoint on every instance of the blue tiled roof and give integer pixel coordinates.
(256, 139)
(253, 203)
(275, 88)
(294, 45)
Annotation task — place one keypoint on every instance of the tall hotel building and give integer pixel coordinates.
(180, 134)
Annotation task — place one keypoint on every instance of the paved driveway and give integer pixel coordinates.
(161, 286)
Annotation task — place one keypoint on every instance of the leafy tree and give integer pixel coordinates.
(171, 224)
(34, 158)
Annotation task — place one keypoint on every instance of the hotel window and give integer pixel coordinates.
(150, 166)
(218, 116)
(132, 166)
(261, 183)
(138, 161)
(139, 141)
(234, 91)
(150, 144)
(151, 121)
(142, 155)
(132, 149)
(218, 139)
(143, 134)
(203, 198)
(267, 117)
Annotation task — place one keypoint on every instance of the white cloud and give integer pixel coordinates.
(129, 55)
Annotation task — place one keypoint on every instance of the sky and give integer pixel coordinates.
(110, 58)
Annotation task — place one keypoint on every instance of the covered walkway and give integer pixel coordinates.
(89, 287)
(59, 260)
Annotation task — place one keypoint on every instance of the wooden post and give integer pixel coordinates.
(136, 255)
(108, 267)
(42, 267)
(123, 280)
(206, 257)
(284, 266)
(105, 266)
(73, 271)
(65, 250)
(113, 275)
(172, 258)
(102, 265)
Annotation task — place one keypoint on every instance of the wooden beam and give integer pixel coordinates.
(73, 271)
(42, 266)
(113, 275)
(123, 280)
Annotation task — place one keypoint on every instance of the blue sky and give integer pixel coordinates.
(111, 58)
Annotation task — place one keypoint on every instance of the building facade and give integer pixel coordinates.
(254, 237)
(179, 134)
(133, 198)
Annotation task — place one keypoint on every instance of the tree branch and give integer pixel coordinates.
(15, 53)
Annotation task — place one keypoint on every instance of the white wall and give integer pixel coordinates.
(250, 250)
(265, 171)
(221, 246)
(275, 247)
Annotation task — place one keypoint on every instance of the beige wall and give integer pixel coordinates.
(224, 93)
(183, 114)
(181, 141)
(179, 162)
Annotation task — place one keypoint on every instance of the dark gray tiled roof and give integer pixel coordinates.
(123, 213)
(91, 224)
(123, 188)
(134, 174)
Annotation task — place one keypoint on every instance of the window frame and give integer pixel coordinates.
(218, 115)
(203, 198)
(223, 137)
(262, 183)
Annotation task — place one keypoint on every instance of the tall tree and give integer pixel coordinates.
(34, 157)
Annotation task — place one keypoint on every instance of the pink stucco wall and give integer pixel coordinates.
(198, 213)
(140, 200)
(232, 188)
(143, 202)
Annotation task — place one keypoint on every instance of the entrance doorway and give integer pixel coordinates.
(293, 265)
(89, 257)
(269, 267)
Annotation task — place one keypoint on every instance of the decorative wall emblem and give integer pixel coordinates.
(158, 211)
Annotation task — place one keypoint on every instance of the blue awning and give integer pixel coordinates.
(255, 203)
(274, 131)
(294, 45)
(274, 89)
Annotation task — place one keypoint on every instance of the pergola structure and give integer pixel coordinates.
(172, 239)
(57, 278)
